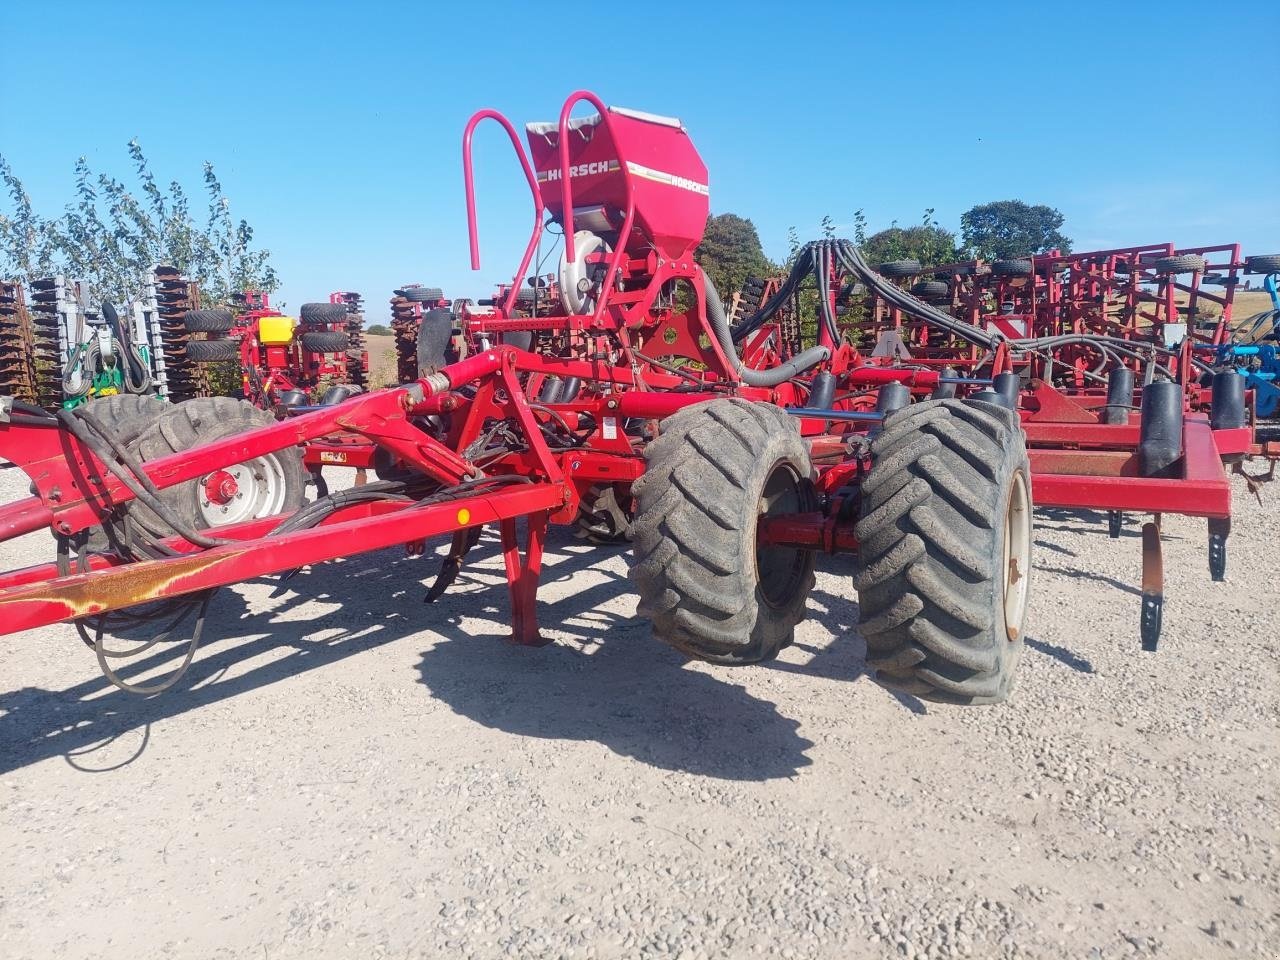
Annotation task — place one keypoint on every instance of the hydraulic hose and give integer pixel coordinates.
(134, 370)
(754, 378)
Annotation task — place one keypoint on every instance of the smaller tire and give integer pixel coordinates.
(324, 341)
(1187, 263)
(422, 294)
(261, 487)
(212, 351)
(127, 415)
(322, 314)
(899, 268)
(1268, 263)
(927, 289)
(208, 321)
(1011, 268)
(601, 516)
(434, 334)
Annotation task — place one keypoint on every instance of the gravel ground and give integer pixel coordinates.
(346, 772)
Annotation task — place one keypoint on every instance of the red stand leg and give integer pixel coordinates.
(522, 578)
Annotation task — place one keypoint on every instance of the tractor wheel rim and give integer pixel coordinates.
(260, 491)
(780, 570)
(1017, 556)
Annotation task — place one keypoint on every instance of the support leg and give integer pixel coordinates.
(1219, 528)
(1152, 585)
(522, 578)
(1115, 521)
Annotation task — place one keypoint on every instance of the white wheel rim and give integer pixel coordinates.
(260, 492)
(1017, 556)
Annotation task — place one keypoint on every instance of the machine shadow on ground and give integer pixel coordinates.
(606, 679)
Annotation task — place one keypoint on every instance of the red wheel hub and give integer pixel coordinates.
(220, 487)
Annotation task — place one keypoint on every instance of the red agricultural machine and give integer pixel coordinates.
(280, 360)
(730, 453)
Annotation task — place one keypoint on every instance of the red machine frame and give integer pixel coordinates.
(575, 168)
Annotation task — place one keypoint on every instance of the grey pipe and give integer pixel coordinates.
(755, 378)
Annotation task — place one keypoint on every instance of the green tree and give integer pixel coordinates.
(928, 243)
(27, 241)
(111, 238)
(1007, 229)
(730, 252)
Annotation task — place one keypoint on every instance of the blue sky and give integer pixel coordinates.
(336, 127)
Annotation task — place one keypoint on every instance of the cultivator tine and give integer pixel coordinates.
(1152, 585)
(463, 541)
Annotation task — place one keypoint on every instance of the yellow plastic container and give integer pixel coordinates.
(276, 331)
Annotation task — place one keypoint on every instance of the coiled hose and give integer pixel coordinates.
(86, 359)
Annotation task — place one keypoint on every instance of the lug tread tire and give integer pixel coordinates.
(899, 268)
(1267, 263)
(1186, 263)
(1011, 268)
(322, 314)
(208, 321)
(199, 421)
(325, 341)
(213, 351)
(422, 294)
(694, 559)
(929, 569)
(128, 415)
(926, 289)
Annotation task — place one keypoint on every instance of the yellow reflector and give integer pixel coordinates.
(275, 331)
(464, 515)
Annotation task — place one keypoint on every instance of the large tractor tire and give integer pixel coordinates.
(325, 341)
(320, 315)
(714, 470)
(262, 487)
(213, 351)
(945, 551)
(208, 321)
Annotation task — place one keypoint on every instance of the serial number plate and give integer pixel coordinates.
(332, 456)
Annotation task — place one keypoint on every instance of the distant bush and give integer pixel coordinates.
(379, 330)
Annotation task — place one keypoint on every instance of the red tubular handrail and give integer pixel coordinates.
(578, 96)
(469, 181)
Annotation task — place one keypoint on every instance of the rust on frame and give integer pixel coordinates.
(84, 595)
